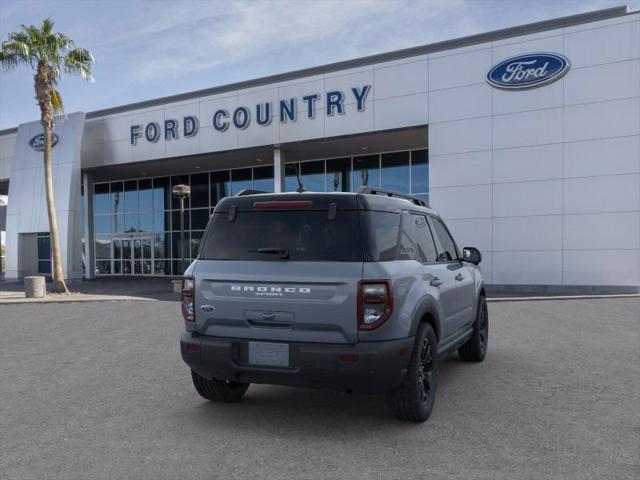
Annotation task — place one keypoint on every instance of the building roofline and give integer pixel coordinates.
(494, 35)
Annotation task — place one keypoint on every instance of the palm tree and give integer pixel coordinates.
(49, 54)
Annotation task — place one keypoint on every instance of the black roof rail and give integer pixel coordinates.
(248, 191)
(390, 193)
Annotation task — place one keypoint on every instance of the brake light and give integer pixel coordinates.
(188, 299)
(284, 204)
(375, 303)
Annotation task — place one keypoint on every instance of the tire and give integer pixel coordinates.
(218, 390)
(476, 347)
(413, 400)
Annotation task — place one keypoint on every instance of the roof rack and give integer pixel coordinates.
(390, 193)
(248, 191)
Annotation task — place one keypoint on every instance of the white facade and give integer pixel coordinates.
(544, 181)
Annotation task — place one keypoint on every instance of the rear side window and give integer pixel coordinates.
(390, 236)
(300, 235)
(447, 251)
(425, 245)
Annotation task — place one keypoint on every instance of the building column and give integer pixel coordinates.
(87, 221)
(278, 170)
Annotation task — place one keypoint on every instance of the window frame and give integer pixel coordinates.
(439, 248)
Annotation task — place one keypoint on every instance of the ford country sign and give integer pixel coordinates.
(37, 142)
(528, 71)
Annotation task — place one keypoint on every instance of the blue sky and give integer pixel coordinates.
(149, 49)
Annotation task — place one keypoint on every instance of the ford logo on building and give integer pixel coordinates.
(37, 142)
(528, 71)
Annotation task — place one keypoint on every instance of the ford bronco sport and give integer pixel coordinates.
(360, 292)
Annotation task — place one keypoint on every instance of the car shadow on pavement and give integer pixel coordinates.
(290, 409)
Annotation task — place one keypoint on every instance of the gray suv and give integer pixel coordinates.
(360, 292)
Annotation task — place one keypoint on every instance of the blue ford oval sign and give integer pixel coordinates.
(37, 142)
(528, 71)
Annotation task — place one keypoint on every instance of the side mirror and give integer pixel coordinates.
(471, 255)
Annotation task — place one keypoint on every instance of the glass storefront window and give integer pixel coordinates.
(241, 179)
(366, 171)
(145, 195)
(312, 176)
(263, 179)
(161, 222)
(419, 171)
(103, 247)
(219, 186)
(290, 177)
(199, 218)
(131, 223)
(102, 224)
(160, 245)
(161, 194)
(144, 210)
(175, 220)
(101, 199)
(338, 175)
(395, 171)
(200, 190)
(131, 203)
(146, 222)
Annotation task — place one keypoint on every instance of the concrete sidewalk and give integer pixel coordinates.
(104, 289)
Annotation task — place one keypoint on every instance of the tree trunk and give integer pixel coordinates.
(59, 284)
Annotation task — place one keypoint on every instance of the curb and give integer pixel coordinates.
(45, 300)
(560, 297)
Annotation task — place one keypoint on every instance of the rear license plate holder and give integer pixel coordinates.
(269, 354)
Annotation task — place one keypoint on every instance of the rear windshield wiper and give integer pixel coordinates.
(283, 252)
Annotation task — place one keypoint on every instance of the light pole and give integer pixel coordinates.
(182, 192)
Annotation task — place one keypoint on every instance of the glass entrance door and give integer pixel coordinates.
(133, 256)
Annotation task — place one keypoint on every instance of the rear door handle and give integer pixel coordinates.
(459, 277)
(435, 282)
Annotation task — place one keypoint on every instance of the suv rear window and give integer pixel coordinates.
(300, 235)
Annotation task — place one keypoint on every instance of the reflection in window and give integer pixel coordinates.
(338, 175)
(290, 177)
(200, 190)
(240, 180)
(366, 171)
(145, 195)
(199, 218)
(101, 198)
(102, 224)
(219, 186)
(103, 247)
(175, 220)
(131, 204)
(419, 171)
(263, 179)
(395, 171)
(161, 194)
(312, 176)
(117, 197)
(146, 222)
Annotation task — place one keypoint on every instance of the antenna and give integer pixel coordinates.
(300, 188)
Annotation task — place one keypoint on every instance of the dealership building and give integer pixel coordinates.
(526, 140)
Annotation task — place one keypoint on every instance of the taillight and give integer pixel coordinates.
(375, 303)
(188, 299)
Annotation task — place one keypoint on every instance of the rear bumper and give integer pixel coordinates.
(370, 367)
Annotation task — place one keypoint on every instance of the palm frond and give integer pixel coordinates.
(47, 26)
(56, 101)
(79, 61)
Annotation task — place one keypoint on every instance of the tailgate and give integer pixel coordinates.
(282, 301)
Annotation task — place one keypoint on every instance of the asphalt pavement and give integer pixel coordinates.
(98, 391)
